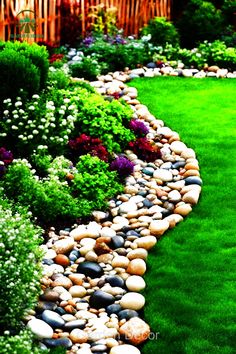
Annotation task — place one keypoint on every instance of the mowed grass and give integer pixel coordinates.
(191, 277)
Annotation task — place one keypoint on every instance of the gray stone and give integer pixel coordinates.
(90, 269)
(100, 299)
(53, 319)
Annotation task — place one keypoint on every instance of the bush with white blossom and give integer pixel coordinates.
(19, 265)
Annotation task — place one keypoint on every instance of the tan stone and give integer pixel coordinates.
(158, 227)
(137, 253)
(136, 331)
(191, 187)
(77, 291)
(135, 283)
(132, 301)
(189, 173)
(120, 261)
(192, 166)
(78, 336)
(136, 267)
(183, 209)
(125, 348)
(191, 196)
(64, 246)
(146, 242)
(62, 281)
(174, 219)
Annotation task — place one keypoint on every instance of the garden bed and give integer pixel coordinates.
(92, 272)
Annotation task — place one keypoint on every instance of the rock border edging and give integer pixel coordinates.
(156, 197)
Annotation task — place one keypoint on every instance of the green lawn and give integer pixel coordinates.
(191, 278)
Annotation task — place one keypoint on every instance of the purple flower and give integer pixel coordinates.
(138, 127)
(5, 156)
(123, 166)
(88, 41)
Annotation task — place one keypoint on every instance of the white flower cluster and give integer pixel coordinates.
(39, 121)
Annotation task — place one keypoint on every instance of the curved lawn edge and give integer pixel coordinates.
(193, 268)
(172, 185)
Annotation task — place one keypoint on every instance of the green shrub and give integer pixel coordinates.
(118, 53)
(41, 160)
(162, 32)
(229, 9)
(22, 343)
(81, 84)
(48, 199)
(105, 120)
(58, 79)
(19, 265)
(94, 179)
(87, 68)
(16, 73)
(229, 36)
(38, 55)
(200, 21)
(53, 199)
(216, 53)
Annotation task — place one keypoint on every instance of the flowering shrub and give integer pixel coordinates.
(40, 121)
(6, 157)
(58, 78)
(19, 265)
(123, 166)
(22, 343)
(145, 150)
(56, 57)
(116, 53)
(87, 68)
(138, 127)
(85, 144)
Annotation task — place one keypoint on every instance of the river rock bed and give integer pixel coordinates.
(151, 70)
(92, 273)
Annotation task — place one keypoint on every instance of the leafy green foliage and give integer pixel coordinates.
(200, 21)
(38, 55)
(49, 199)
(103, 19)
(95, 179)
(58, 79)
(161, 31)
(87, 68)
(118, 53)
(215, 53)
(17, 72)
(19, 265)
(54, 198)
(106, 120)
(22, 343)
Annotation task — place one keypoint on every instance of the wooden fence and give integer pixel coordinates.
(30, 20)
(44, 21)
